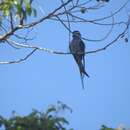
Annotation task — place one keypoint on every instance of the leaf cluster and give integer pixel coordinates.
(19, 8)
(106, 128)
(37, 120)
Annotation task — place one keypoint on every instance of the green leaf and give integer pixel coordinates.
(29, 10)
(6, 12)
(62, 120)
(36, 121)
(51, 109)
(19, 128)
(15, 2)
(19, 8)
(34, 12)
(28, 7)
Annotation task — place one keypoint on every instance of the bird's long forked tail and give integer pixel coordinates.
(82, 80)
(83, 73)
(86, 74)
(84, 68)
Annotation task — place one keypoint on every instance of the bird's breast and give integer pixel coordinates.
(75, 45)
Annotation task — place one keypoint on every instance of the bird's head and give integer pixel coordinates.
(76, 34)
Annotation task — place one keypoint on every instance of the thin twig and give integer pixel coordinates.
(64, 24)
(69, 26)
(56, 15)
(8, 34)
(19, 60)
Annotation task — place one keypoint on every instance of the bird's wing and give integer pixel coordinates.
(82, 46)
(70, 46)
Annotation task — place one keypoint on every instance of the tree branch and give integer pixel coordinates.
(19, 60)
(57, 14)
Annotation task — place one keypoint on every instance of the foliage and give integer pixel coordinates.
(17, 8)
(36, 120)
(14, 22)
(107, 128)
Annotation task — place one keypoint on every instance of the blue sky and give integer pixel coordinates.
(45, 78)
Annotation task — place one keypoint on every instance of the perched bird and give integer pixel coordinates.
(77, 48)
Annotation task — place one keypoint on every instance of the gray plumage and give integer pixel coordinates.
(77, 48)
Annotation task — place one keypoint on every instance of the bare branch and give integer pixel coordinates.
(77, 2)
(97, 40)
(66, 14)
(69, 26)
(4, 37)
(103, 18)
(46, 17)
(63, 24)
(113, 41)
(113, 14)
(19, 60)
(59, 52)
(91, 22)
(11, 21)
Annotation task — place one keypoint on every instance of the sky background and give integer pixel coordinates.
(45, 78)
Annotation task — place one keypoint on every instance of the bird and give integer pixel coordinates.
(77, 48)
